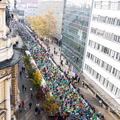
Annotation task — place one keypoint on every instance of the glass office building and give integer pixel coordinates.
(75, 31)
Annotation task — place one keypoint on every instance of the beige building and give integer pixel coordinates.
(9, 59)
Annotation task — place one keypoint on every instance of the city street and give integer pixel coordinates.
(84, 91)
(59, 60)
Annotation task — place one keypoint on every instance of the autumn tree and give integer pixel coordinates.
(44, 25)
(50, 105)
(37, 78)
(28, 66)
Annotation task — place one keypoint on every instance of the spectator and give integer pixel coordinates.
(23, 87)
(22, 104)
(30, 105)
(36, 110)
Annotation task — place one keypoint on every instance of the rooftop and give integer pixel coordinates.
(14, 60)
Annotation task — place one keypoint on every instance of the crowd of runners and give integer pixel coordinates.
(73, 105)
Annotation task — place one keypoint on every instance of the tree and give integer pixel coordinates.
(37, 78)
(40, 95)
(45, 25)
(51, 23)
(50, 105)
(28, 66)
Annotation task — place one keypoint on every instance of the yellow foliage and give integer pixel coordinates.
(43, 25)
(50, 105)
(37, 78)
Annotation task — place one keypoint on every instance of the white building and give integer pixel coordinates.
(102, 60)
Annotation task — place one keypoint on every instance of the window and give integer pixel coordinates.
(105, 65)
(118, 22)
(105, 50)
(112, 87)
(118, 5)
(109, 68)
(115, 37)
(102, 65)
(105, 83)
(95, 45)
(108, 20)
(97, 4)
(97, 76)
(118, 75)
(102, 79)
(105, 5)
(93, 73)
(110, 5)
(106, 35)
(113, 21)
(112, 54)
(116, 91)
(109, 86)
(98, 46)
(114, 71)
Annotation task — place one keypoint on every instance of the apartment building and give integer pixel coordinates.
(102, 58)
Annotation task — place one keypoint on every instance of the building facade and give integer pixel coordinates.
(74, 32)
(102, 57)
(8, 68)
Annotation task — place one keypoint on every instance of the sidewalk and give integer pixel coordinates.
(27, 114)
(56, 57)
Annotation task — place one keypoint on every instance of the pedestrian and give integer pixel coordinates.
(22, 104)
(23, 87)
(78, 79)
(60, 56)
(61, 62)
(31, 95)
(36, 110)
(30, 105)
(39, 111)
(54, 50)
(78, 90)
(19, 106)
(20, 73)
(22, 68)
